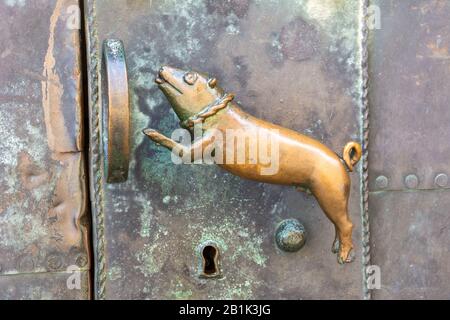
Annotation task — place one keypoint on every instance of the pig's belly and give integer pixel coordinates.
(292, 166)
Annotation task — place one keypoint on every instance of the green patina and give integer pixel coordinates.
(114, 273)
(214, 206)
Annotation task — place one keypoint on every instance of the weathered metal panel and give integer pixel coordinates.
(43, 286)
(43, 206)
(410, 239)
(295, 63)
(410, 93)
(409, 151)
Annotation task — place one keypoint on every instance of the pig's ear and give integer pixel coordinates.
(212, 83)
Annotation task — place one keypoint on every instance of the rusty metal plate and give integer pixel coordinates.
(295, 63)
(409, 150)
(409, 96)
(410, 236)
(44, 286)
(43, 205)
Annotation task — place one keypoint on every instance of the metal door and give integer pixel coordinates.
(376, 72)
(295, 63)
(409, 152)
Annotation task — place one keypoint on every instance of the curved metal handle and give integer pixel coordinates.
(116, 112)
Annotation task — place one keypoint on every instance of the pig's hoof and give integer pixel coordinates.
(346, 258)
(335, 246)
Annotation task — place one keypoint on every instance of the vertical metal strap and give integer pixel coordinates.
(95, 155)
(365, 146)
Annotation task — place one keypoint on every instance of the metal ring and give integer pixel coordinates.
(116, 112)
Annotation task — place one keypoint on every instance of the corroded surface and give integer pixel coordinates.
(410, 91)
(43, 286)
(410, 134)
(410, 231)
(43, 209)
(290, 235)
(155, 221)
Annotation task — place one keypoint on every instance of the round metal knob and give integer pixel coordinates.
(290, 235)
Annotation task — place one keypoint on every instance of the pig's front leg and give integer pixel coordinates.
(161, 139)
(195, 150)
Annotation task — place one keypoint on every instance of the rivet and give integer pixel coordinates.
(54, 262)
(81, 260)
(411, 181)
(381, 182)
(441, 180)
(290, 235)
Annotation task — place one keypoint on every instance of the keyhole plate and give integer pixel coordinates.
(209, 260)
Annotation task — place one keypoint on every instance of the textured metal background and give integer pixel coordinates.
(410, 94)
(43, 206)
(410, 137)
(295, 63)
(410, 239)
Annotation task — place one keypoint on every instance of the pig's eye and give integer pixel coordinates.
(212, 82)
(190, 78)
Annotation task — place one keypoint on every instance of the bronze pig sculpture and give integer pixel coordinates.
(302, 161)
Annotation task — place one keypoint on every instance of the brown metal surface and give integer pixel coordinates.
(43, 206)
(296, 160)
(293, 63)
(116, 111)
(410, 91)
(409, 152)
(410, 233)
(43, 286)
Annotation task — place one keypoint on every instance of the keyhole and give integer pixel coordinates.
(210, 255)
